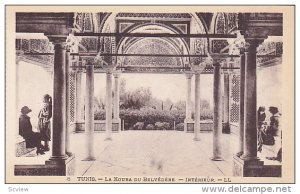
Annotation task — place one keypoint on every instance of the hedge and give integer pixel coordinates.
(148, 119)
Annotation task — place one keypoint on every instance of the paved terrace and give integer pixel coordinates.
(138, 153)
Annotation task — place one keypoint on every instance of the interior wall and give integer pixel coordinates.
(33, 83)
(269, 87)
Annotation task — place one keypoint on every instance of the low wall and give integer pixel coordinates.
(51, 168)
(20, 147)
(234, 128)
(99, 126)
(206, 126)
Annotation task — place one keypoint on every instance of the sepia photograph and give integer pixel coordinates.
(150, 94)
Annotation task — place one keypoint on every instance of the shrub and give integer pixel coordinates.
(150, 127)
(162, 126)
(159, 126)
(166, 126)
(152, 116)
(99, 115)
(179, 127)
(138, 126)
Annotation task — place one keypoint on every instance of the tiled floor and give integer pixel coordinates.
(137, 153)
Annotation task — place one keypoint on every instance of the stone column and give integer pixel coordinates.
(17, 80)
(226, 128)
(188, 111)
(116, 119)
(17, 92)
(197, 107)
(108, 106)
(68, 151)
(78, 103)
(59, 100)
(250, 122)
(89, 111)
(217, 126)
(242, 95)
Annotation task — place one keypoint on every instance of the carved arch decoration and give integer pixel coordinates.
(224, 23)
(134, 21)
(151, 45)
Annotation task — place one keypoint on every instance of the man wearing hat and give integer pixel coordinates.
(32, 139)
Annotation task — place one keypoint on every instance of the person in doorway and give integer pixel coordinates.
(275, 131)
(32, 139)
(261, 116)
(44, 124)
(274, 121)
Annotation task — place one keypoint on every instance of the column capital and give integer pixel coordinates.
(108, 70)
(252, 44)
(68, 48)
(242, 51)
(218, 59)
(189, 75)
(88, 61)
(57, 40)
(73, 42)
(117, 73)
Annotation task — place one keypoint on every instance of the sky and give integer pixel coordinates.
(163, 86)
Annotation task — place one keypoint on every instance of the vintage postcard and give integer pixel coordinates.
(150, 94)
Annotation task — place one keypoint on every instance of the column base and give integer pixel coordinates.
(79, 127)
(188, 125)
(196, 139)
(90, 158)
(217, 158)
(226, 128)
(116, 125)
(247, 168)
(61, 166)
(246, 158)
(69, 154)
(58, 158)
(239, 154)
(108, 139)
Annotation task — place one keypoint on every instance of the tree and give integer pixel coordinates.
(136, 99)
(97, 106)
(180, 105)
(168, 104)
(204, 104)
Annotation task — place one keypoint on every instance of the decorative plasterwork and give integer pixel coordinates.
(270, 53)
(231, 22)
(34, 45)
(219, 46)
(155, 15)
(220, 27)
(252, 25)
(224, 23)
(89, 44)
(260, 25)
(199, 47)
(26, 46)
(152, 46)
(83, 22)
